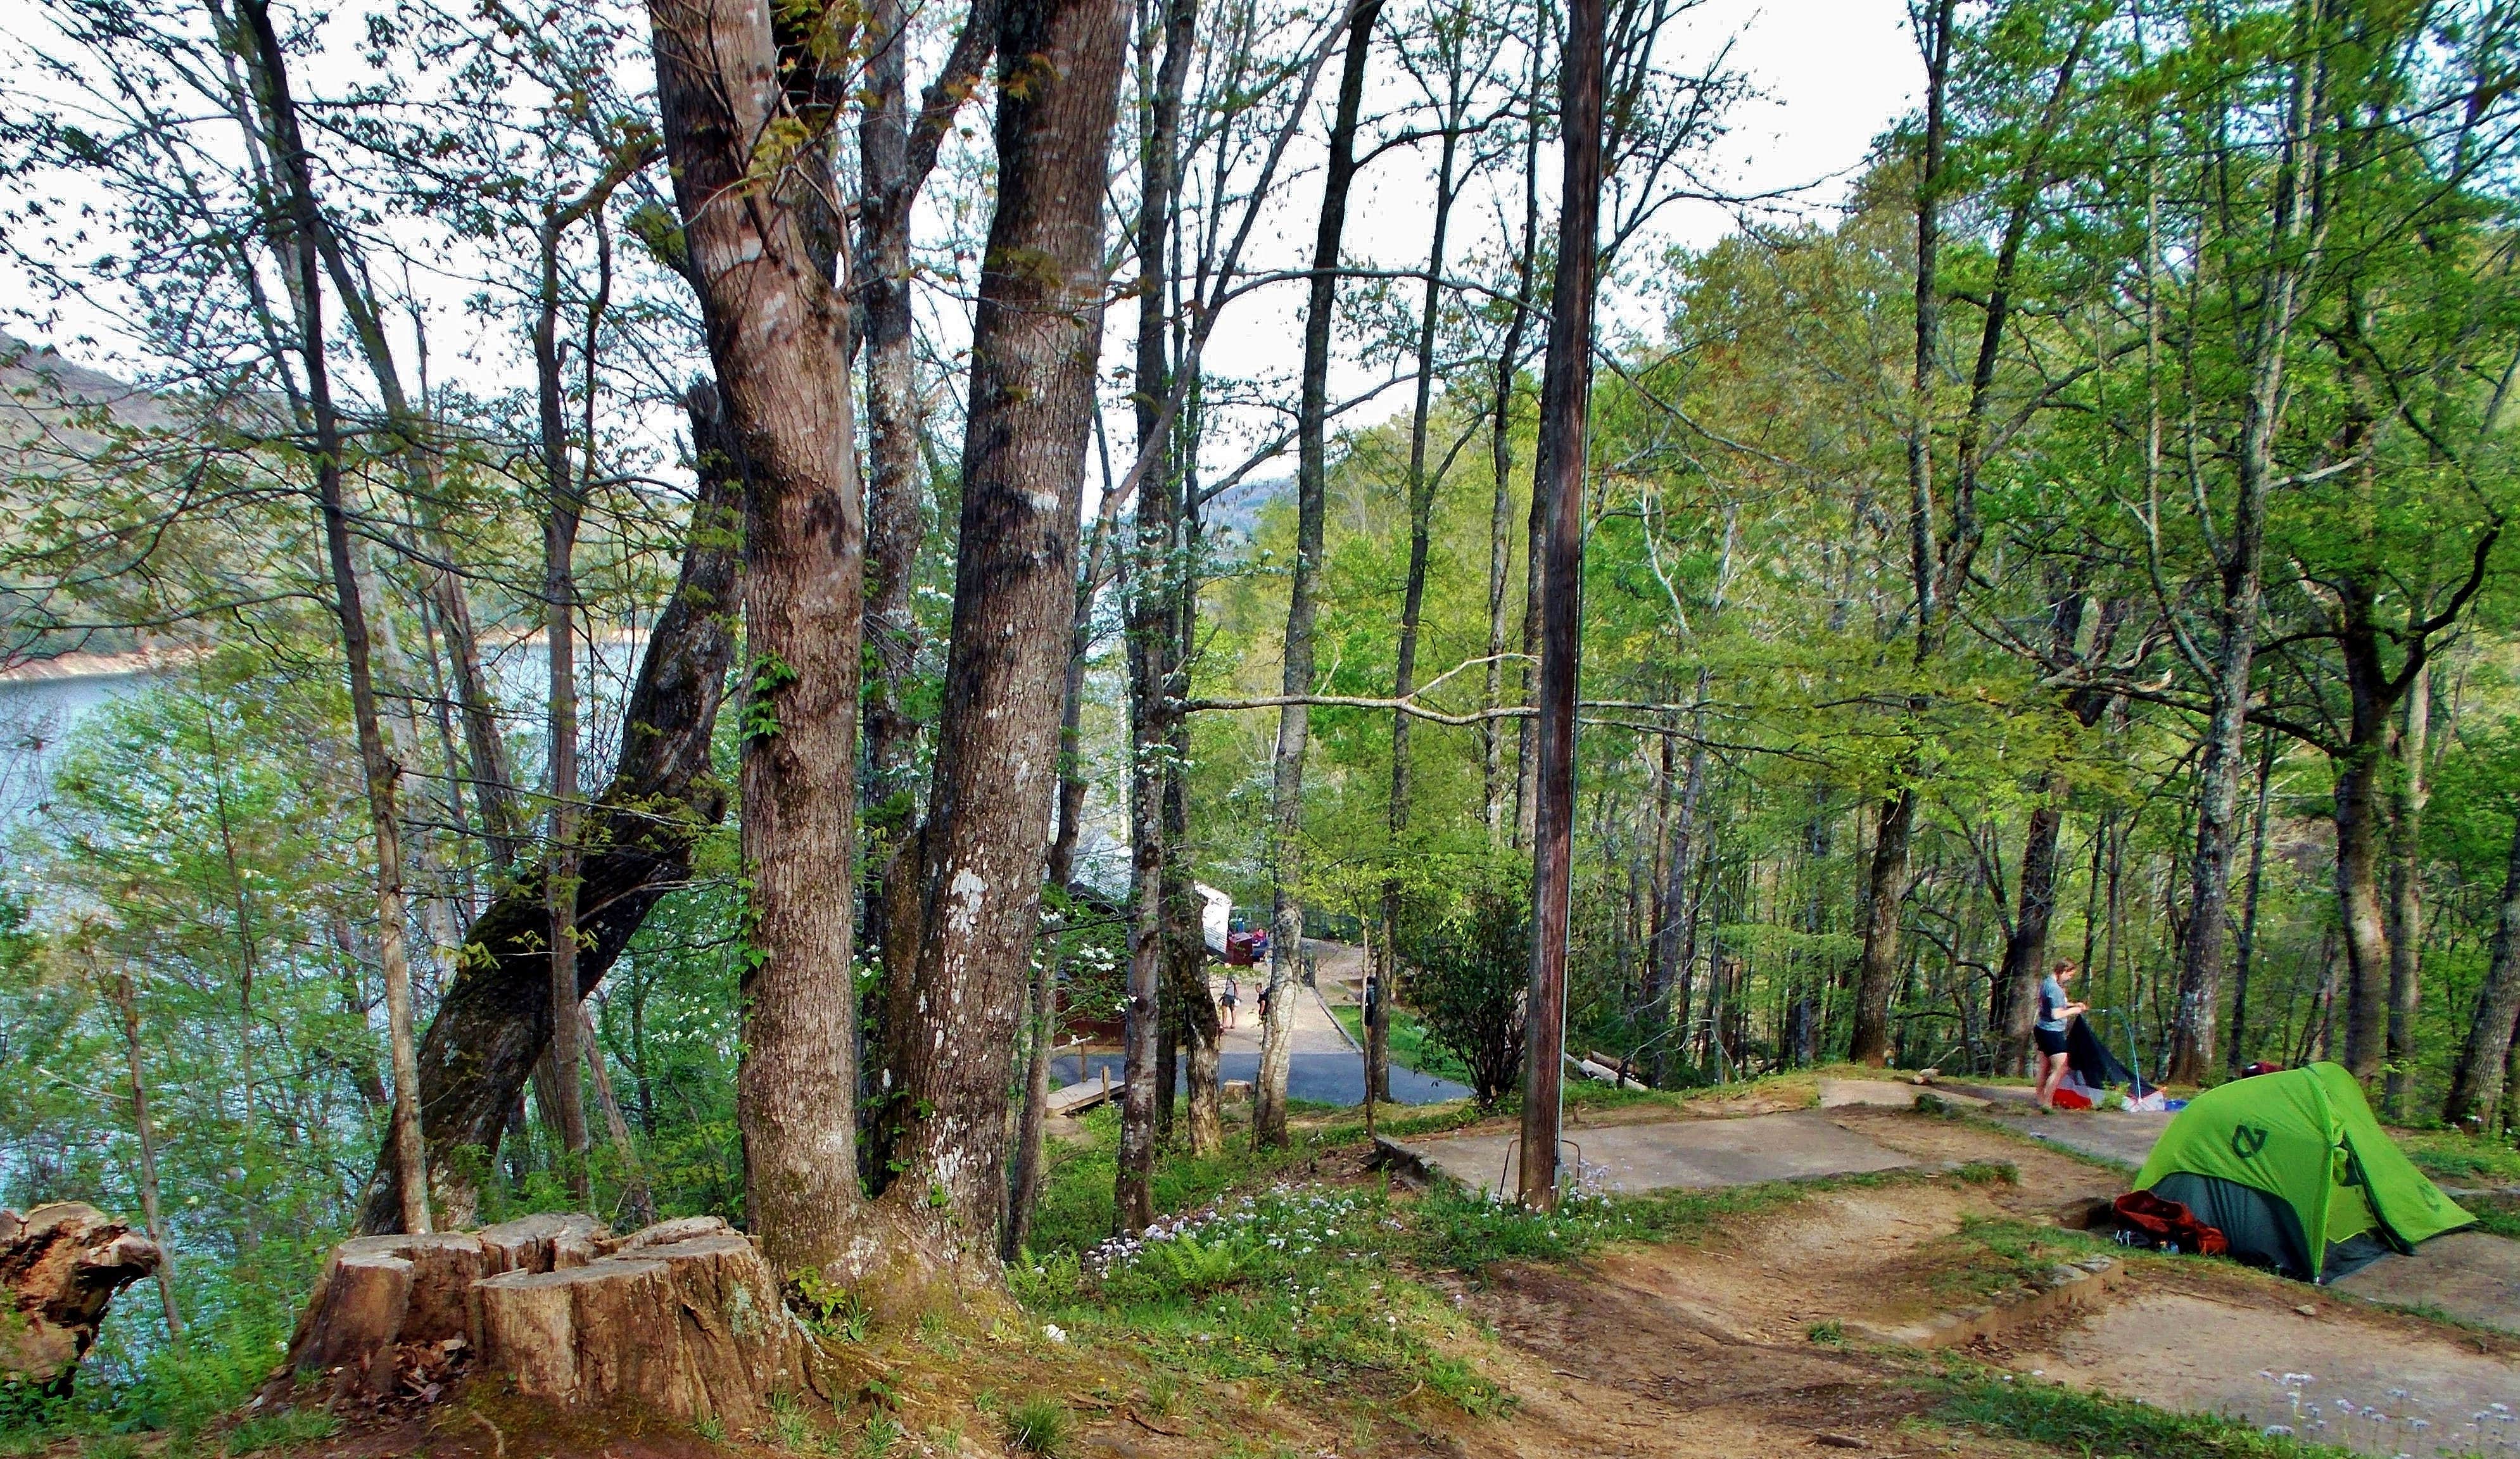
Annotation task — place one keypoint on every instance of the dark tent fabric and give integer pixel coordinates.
(2086, 1057)
(2262, 1229)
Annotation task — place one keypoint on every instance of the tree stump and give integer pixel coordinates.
(543, 1243)
(681, 1317)
(391, 1312)
(355, 1326)
(62, 1265)
(693, 1328)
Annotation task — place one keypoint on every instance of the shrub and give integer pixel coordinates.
(1470, 971)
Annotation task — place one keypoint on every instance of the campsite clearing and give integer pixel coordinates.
(1826, 1314)
(1756, 1336)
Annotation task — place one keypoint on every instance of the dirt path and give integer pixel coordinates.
(1707, 1347)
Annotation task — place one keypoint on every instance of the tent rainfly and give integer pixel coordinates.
(2293, 1169)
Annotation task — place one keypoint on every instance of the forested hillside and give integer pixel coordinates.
(706, 583)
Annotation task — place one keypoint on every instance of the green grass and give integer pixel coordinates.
(1412, 1047)
(1040, 1425)
(2461, 1159)
(2004, 1257)
(1299, 1285)
(2091, 1424)
(286, 1428)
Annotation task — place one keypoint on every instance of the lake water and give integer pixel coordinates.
(36, 718)
(39, 715)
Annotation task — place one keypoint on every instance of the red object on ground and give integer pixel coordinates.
(2169, 1224)
(2262, 1067)
(2068, 1098)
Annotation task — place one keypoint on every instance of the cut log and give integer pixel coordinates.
(585, 1334)
(742, 1343)
(61, 1266)
(683, 1317)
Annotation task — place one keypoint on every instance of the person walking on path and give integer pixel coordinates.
(1232, 996)
(2054, 1013)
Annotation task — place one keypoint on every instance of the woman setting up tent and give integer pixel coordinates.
(2054, 1013)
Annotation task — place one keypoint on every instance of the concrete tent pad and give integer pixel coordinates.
(1677, 1153)
(1890, 1094)
(2122, 1136)
(2183, 1351)
(2471, 1275)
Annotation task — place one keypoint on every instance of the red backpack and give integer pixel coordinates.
(2169, 1224)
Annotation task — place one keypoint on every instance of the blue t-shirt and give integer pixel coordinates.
(2051, 1000)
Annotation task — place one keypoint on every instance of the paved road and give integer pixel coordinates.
(1326, 1068)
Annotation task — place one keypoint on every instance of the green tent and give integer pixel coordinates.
(2294, 1171)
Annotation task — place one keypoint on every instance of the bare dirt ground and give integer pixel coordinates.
(1707, 1349)
(2381, 1384)
(1725, 1345)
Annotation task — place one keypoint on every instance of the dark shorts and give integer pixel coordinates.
(1228, 1000)
(2052, 1042)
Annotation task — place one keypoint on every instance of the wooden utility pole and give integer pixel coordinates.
(1558, 471)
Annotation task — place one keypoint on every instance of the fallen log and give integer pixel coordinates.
(61, 1266)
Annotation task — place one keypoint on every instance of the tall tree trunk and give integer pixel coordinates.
(1508, 366)
(636, 1199)
(493, 1026)
(2365, 923)
(896, 152)
(1184, 938)
(1421, 510)
(1885, 898)
(1154, 637)
(2026, 941)
(778, 335)
(1888, 877)
(2477, 1078)
(1312, 475)
(1671, 944)
(299, 237)
(2228, 676)
(1151, 640)
(2246, 952)
(1032, 1141)
(2408, 795)
(126, 1001)
(560, 514)
(1558, 481)
(1069, 823)
(1034, 347)
(895, 524)
(502, 824)
(2025, 944)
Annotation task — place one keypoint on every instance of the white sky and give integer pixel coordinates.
(1832, 75)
